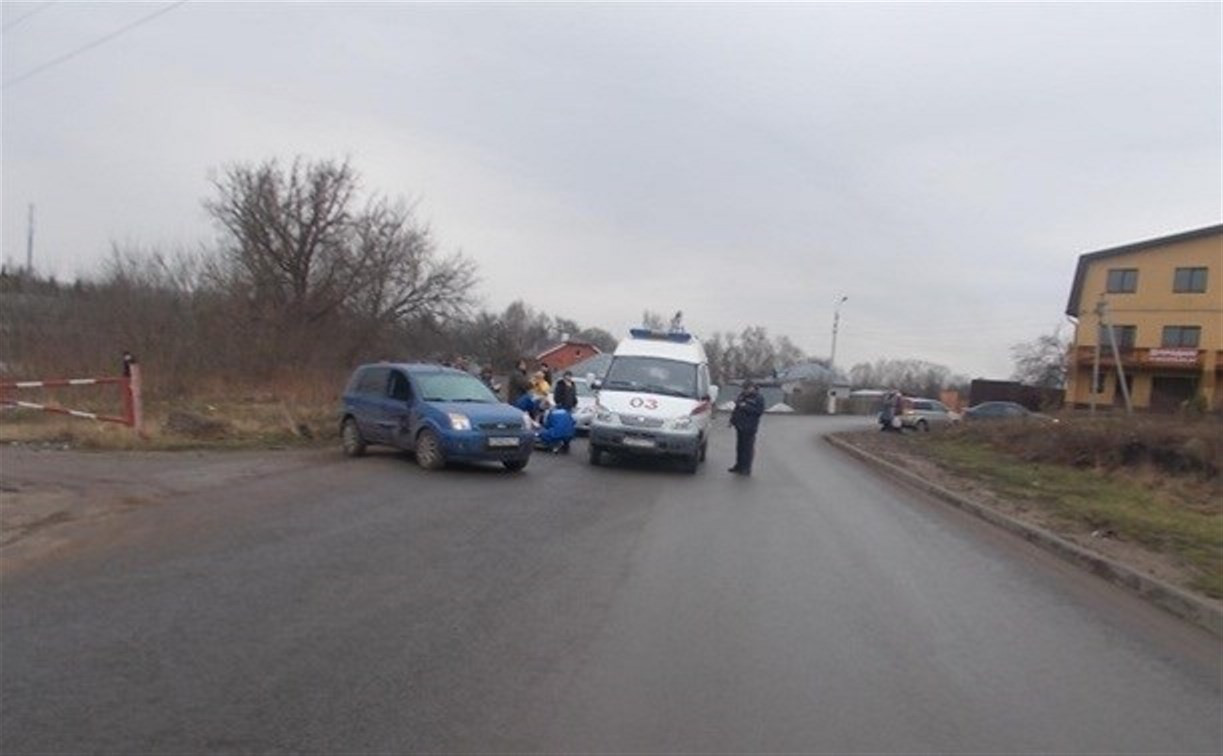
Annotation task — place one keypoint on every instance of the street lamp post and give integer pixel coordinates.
(836, 322)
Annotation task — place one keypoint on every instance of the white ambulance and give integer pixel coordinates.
(655, 399)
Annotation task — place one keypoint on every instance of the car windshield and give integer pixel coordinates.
(651, 374)
(453, 387)
(583, 388)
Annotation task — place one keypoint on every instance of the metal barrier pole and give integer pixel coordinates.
(133, 404)
(129, 411)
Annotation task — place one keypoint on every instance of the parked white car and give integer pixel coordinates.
(920, 414)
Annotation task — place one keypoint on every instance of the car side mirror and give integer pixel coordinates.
(595, 383)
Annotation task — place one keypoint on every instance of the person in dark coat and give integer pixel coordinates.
(565, 396)
(520, 383)
(745, 419)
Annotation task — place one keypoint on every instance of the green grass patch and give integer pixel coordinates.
(1160, 518)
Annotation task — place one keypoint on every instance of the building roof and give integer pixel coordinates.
(806, 371)
(568, 342)
(1085, 260)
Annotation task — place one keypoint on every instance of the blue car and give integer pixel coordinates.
(439, 413)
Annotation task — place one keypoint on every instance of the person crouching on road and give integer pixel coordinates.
(557, 429)
(745, 419)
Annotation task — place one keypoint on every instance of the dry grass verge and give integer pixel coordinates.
(1170, 446)
(256, 421)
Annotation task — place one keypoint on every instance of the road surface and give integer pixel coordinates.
(322, 604)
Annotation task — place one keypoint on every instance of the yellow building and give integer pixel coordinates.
(1164, 301)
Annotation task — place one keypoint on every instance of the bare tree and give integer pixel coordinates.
(912, 377)
(1041, 361)
(602, 339)
(304, 252)
(653, 321)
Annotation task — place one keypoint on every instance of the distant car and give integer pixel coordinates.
(584, 412)
(1004, 410)
(439, 413)
(920, 414)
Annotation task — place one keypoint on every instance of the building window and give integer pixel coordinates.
(1189, 281)
(1182, 336)
(1122, 280)
(1126, 335)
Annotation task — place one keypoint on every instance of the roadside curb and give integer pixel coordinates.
(1168, 597)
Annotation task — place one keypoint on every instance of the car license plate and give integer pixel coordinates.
(635, 441)
(502, 441)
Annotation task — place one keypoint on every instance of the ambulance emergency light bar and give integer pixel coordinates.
(679, 337)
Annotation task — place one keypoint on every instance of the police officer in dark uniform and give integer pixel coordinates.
(745, 419)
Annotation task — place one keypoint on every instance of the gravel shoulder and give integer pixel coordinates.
(54, 500)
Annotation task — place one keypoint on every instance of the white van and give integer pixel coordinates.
(655, 399)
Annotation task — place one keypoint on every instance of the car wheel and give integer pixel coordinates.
(514, 465)
(595, 454)
(350, 438)
(923, 426)
(429, 451)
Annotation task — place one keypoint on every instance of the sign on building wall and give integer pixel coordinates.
(1169, 356)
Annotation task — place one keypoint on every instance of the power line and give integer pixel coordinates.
(90, 45)
(34, 12)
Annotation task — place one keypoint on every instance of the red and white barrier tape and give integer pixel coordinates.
(64, 411)
(56, 382)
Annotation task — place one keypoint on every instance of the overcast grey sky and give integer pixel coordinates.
(942, 165)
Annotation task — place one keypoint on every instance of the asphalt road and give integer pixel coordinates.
(365, 605)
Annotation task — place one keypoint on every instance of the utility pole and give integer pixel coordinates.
(836, 322)
(1095, 364)
(29, 243)
(1112, 340)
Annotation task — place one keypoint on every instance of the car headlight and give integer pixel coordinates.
(681, 423)
(459, 421)
(605, 416)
